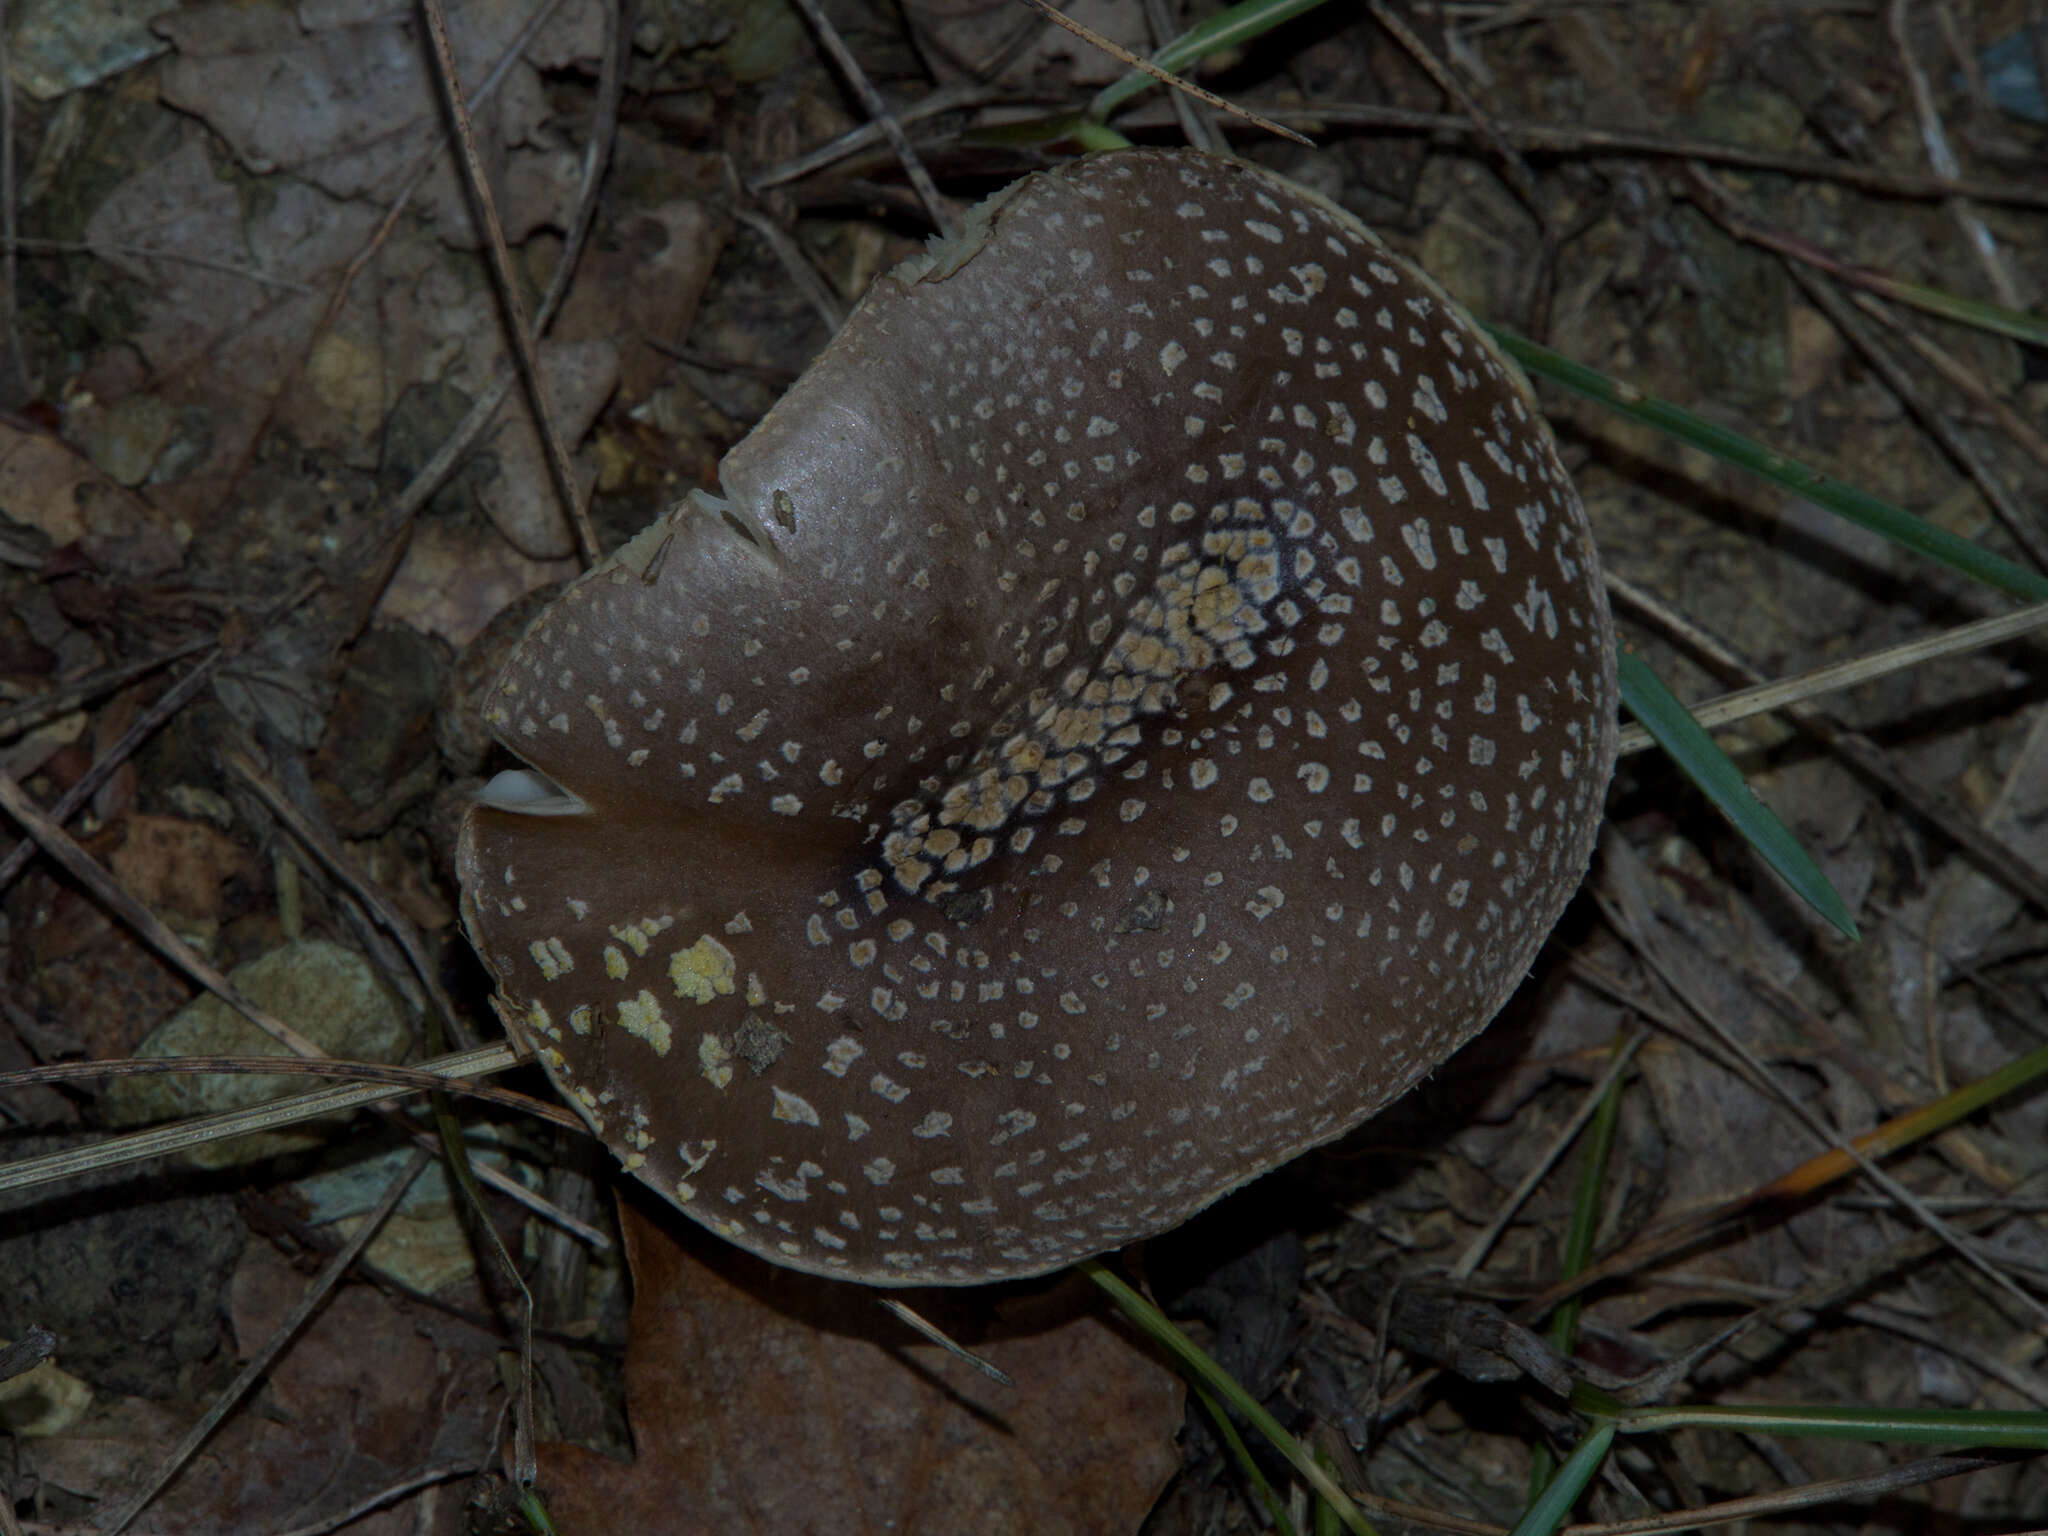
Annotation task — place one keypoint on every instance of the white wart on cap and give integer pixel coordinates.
(1144, 700)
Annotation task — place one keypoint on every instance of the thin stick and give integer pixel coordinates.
(524, 350)
(1964, 378)
(137, 1146)
(1448, 82)
(68, 696)
(321, 844)
(797, 265)
(1942, 159)
(878, 111)
(57, 843)
(1868, 1485)
(1124, 56)
(1564, 139)
(290, 1066)
(398, 1490)
(2019, 521)
(117, 1521)
(1745, 702)
(1197, 126)
(391, 529)
(951, 98)
(105, 765)
(1589, 1105)
(1854, 749)
(930, 1330)
(1639, 930)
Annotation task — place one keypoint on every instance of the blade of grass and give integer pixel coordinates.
(1196, 1363)
(1721, 781)
(1240, 23)
(1988, 1428)
(1904, 1130)
(1234, 1442)
(1858, 506)
(1578, 1247)
(1548, 1512)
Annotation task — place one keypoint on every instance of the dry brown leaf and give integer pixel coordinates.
(456, 577)
(362, 1398)
(340, 94)
(47, 486)
(178, 866)
(764, 1400)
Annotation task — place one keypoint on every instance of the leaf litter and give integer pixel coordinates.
(234, 362)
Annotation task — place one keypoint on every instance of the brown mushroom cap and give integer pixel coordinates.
(1146, 700)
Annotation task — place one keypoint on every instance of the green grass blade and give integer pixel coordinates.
(1197, 1364)
(1995, 318)
(1675, 730)
(1578, 1239)
(1240, 23)
(1578, 1246)
(1859, 507)
(1993, 1429)
(1234, 1442)
(1548, 1512)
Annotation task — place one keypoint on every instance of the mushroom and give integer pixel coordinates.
(1141, 701)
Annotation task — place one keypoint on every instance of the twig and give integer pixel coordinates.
(797, 265)
(1765, 697)
(1196, 124)
(138, 1146)
(428, 160)
(1589, 1104)
(1856, 750)
(57, 843)
(117, 1520)
(2019, 521)
(951, 98)
(1124, 56)
(104, 248)
(108, 762)
(524, 350)
(918, 1323)
(1942, 158)
(1640, 930)
(391, 529)
(158, 935)
(1511, 163)
(68, 696)
(292, 1066)
(321, 844)
(878, 111)
(1563, 139)
(1836, 1490)
(398, 1490)
(1963, 377)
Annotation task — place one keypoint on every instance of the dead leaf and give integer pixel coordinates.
(178, 866)
(455, 579)
(358, 1401)
(521, 501)
(340, 93)
(46, 486)
(767, 1400)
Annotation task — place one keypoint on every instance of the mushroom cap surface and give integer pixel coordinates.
(1144, 702)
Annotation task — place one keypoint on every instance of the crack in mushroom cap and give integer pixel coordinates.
(1145, 701)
